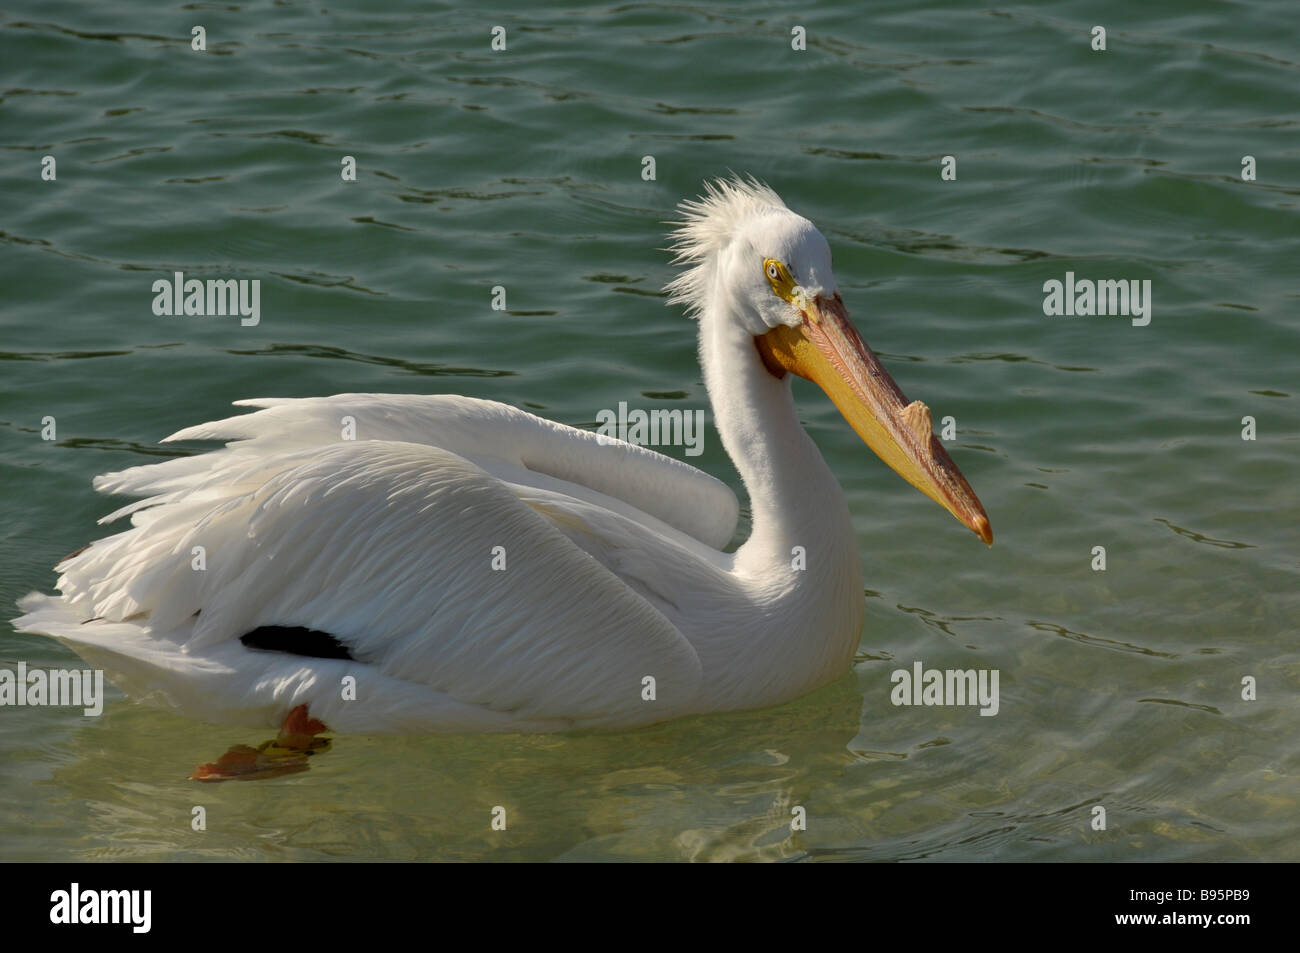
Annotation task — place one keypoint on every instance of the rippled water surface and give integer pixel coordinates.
(522, 168)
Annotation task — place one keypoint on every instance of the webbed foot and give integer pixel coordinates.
(286, 754)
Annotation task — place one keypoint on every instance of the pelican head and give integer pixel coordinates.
(772, 269)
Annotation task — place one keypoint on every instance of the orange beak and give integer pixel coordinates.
(827, 350)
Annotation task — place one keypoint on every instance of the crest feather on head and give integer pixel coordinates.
(706, 225)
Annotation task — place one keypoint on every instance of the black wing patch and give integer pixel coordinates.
(296, 640)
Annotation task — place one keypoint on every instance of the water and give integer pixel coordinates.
(1119, 688)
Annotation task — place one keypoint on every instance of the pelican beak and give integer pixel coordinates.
(826, 349)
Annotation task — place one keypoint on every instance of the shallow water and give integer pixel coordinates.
(1119, 688)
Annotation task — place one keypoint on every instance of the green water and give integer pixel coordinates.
(522, 168)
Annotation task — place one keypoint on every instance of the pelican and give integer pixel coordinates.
(395, 563)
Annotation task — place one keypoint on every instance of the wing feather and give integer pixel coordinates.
(389, 547)
(485, 432)
(387, 542)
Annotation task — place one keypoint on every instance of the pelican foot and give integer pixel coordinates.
(287, 753)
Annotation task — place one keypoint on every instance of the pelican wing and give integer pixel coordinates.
(493, 435)
(461, 604)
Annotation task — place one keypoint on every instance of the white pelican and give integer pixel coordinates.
(477, 568)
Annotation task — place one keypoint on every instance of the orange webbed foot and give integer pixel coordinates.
(299, 731)
(287, 754)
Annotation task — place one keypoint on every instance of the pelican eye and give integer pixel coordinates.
(778, 276)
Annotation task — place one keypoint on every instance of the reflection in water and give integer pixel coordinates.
(702, 788)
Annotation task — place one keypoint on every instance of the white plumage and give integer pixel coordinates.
(614, 562)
